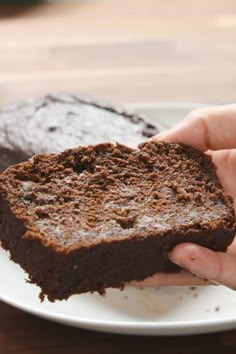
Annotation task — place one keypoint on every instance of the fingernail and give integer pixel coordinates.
(161, 135)
(175, 262)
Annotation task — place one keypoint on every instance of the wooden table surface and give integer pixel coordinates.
(126, 51)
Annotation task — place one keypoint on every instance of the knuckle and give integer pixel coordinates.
(199, 119)
(197, 114)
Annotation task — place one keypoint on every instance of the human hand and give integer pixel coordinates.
(211, 130)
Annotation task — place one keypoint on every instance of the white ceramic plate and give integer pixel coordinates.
(167, 311)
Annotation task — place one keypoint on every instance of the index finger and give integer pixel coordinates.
(212, 128)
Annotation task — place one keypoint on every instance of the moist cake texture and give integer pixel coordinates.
(53, 123)
(100, 216)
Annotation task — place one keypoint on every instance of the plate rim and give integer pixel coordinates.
(128, 327)
(50, 314)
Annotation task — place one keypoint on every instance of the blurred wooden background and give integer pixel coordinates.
(129, 51)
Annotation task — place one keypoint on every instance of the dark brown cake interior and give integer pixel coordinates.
(86, 195)
(98, 199)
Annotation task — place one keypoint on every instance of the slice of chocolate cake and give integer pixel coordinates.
(53, 123)
(100, 216)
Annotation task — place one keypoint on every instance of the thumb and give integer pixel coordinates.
(205, 129)
(218, 267)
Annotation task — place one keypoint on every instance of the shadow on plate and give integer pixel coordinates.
(144, 304)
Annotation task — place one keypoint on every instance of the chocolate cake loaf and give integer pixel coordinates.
(100, 216)
(52, 124)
